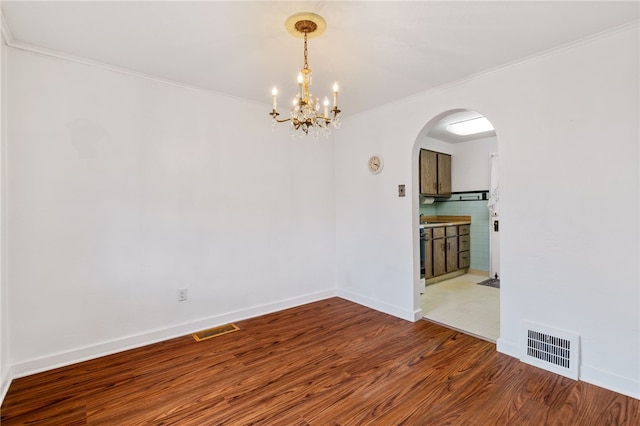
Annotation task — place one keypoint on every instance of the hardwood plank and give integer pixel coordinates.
(450, 385)
(70, 413)
(575, 411)
(514, 395)
(532, 412)
(326, 363)
(621, 411)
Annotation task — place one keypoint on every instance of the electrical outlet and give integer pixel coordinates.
(182, 294)
(401, 191)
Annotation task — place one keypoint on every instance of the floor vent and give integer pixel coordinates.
(215, 331)
(551, 349)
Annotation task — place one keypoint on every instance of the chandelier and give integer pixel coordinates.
(307, 117)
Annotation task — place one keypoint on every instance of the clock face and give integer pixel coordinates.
(375, 164)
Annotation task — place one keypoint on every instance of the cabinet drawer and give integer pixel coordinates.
(464, 242)
(452, 231)
(463, 259)
(438, 232)
(427, 233)
(463, 229)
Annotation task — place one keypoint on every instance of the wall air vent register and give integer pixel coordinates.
(551, 349)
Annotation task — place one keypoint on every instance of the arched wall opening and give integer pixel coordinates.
(473, 161)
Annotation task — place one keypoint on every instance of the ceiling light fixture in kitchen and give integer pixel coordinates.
(306, 115)
(470, 127)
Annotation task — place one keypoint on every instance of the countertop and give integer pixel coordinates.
(435, 221)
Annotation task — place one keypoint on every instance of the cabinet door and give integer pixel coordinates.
(444, 174)
(452, 254)
(428, 172)
(439, 256)
(428, 258)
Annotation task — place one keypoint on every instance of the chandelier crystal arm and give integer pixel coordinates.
(275, 115)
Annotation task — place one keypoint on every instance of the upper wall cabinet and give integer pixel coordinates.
(435, 173)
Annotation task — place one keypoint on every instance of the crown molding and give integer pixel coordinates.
(97, 64)
(125, 71)
(629, 26)
(13, 43)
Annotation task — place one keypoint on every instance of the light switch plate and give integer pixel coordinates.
(401, 191)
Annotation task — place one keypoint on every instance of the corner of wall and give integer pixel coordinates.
(508, 348)
(7, 36)
(5, 383)
(5, 370)
(386, 308)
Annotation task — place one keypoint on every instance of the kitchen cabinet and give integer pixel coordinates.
(447, 251)
(435, 173)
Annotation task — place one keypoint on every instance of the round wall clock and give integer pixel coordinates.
(375, 164)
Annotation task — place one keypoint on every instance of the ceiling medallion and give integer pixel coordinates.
(306, 116)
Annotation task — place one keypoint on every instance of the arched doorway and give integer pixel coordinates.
(454, 298)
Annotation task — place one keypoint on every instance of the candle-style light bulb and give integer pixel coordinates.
(300, 80)
(326, 106)
(335, 94)
(274, 93)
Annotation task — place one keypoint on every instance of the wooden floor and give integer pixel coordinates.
(327, 363)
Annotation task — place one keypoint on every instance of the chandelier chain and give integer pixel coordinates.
(306, 65)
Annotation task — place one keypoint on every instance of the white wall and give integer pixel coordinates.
(122, 190)
(471, 165)
(374, 224)
(567, 125)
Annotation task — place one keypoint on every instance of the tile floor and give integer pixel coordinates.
(462, 304)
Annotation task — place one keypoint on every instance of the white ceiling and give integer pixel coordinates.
(379, 52)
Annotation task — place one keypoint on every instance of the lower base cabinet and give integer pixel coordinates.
(446, 250)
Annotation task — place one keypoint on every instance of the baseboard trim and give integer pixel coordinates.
(46, 363)
(613, 382)
(480, 272)
(588, 374)
(418, 315)
(386, 308)
(508, 348)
